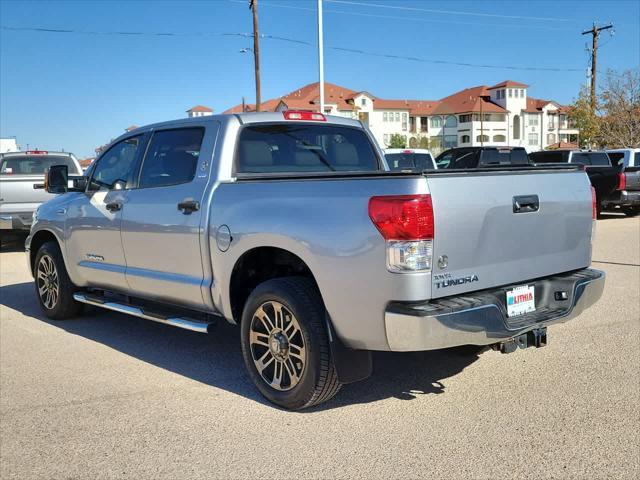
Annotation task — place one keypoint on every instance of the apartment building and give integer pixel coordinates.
(501, 115)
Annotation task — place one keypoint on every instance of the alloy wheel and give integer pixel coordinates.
(48, 282)
(277, 346)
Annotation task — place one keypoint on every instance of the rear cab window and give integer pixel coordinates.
(35, 164)
(591, 158)
(304, 148)
(410, 160)
(504, 157)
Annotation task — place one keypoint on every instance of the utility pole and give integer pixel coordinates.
(482, 124)
(321, 56)
(253, 5)
(594, 32)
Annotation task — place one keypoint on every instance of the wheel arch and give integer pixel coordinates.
(37, 240)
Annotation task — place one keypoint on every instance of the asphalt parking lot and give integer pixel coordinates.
(108, 396)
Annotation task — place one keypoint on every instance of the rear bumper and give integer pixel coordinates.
(15, 221)
(624, 199)
(480, 318)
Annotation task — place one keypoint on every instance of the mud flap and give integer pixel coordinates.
(351, 365)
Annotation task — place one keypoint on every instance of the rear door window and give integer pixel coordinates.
(34, 164)
(301, 147)
(616, 157)
(172, 157)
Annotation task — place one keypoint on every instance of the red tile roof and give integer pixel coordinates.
(468, 100)
(508, 83)
(200, 108)
(563, 145)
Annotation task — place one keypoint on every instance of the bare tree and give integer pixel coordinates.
(619, 108)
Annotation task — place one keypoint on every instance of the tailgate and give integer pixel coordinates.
(18, 195)
(632, 179)
(481, 242)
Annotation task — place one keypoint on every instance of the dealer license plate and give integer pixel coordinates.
(521, 300)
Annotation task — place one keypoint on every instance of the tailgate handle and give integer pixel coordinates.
(526, 203)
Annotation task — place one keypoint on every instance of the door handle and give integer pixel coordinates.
(526, 203)
(188, 206)
(113, 206)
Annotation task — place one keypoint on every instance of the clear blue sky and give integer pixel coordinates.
(77, 91)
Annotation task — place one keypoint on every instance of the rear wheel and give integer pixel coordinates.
(53, 286)
(285, 344)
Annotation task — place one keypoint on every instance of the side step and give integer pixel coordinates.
(186, 323)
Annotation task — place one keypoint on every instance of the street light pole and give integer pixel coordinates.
(321, 55)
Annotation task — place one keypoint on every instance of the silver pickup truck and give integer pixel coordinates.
(290, 225)
(21, 185)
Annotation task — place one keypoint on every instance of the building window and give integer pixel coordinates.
(363, 102)
(397, 116)
(450, 141)
(522, 93)
(516, 127)
(424, 124)
(533, 120)
(404, 121)
(482, 138)
(533, 139)
(552, 121)
(551, 138)
(465, 118)
(451, 121)
(465, 139)
(436, 122)
(384, 116)
(499, 138)
(510, 92)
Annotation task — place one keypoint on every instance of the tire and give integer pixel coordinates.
(52, 284)
(631, 211)
(295, 342)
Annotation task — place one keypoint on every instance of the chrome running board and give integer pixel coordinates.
(180, 322)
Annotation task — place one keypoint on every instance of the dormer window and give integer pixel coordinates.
(363, 102)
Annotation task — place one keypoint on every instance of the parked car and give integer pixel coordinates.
(478, 157)
(22, 185)
(409, 159)
(607, 180)
(627, 196)
(288, 224)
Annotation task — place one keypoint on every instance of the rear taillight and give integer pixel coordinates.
(303, 115)
(406, 222)
(594, 205)
(622, 181)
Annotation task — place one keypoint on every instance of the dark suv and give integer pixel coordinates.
(478, 157)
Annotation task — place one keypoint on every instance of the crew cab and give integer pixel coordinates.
(290, 225)
(605, 177)
(409, 159)
(22, 185)
(476, 157)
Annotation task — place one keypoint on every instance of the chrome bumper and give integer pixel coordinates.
(480, 318)
(16, 221)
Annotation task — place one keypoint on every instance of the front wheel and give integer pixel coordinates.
(53, 286)
(285, 344)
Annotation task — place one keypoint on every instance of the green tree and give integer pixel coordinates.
(585, 120)
(398, 141)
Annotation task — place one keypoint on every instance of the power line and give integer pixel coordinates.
(302, 42)
(412, 19)
(450, 12)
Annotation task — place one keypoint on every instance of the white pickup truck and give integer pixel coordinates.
(291, 225)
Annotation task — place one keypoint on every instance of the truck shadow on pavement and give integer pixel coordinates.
(215, 359)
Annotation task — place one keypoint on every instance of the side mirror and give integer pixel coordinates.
(57, 179)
